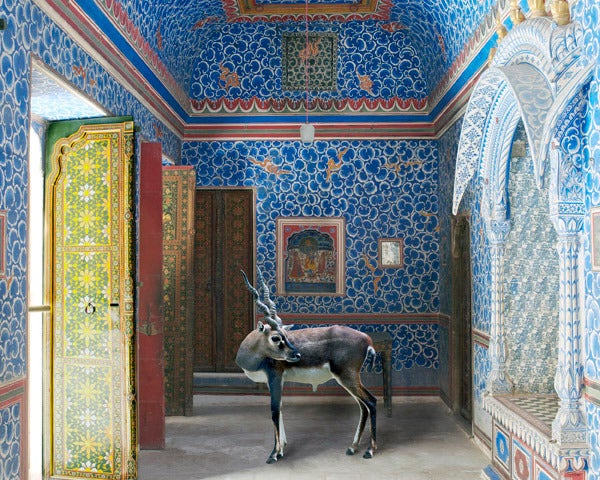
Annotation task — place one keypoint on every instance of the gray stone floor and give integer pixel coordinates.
(230, 437)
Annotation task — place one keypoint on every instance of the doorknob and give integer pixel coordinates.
(90, 308)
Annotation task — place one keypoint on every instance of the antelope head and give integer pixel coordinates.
(271, 338)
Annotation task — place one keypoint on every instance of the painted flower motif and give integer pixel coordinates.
(88, 466)
(86, 192)
(87, 240)
(87, 218)
(87, 390)
(86, 277)
(86, 331)
(86, 166)
(88, 417)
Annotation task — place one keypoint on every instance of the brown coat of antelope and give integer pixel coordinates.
(272, 354)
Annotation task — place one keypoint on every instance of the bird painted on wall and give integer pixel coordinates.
(398, 165)
(333, 166)
(373, 268)
(204, 21)
(392, 26)
(268, 166)
(228, 78)
(365, 82)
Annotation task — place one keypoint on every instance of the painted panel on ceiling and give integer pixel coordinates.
(447, 34)
(241, 66)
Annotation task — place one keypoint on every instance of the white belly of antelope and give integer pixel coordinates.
(314, 376)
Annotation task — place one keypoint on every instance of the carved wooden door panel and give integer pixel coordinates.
(462, 315)
(224, 310)
(179, 191)
(90, 424)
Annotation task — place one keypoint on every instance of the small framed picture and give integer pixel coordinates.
(595, 240)
(391, 253)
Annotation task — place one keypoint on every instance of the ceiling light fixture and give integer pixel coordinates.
(307, 130)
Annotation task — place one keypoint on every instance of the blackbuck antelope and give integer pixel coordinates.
(272, 354)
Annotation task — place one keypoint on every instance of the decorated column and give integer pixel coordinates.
(498, 380)
(567, 213)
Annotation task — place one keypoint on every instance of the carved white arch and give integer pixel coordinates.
(539, 67)
(538, 77)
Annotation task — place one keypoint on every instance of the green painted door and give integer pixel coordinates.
(90, 405)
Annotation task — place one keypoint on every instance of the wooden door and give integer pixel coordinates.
(463, 382)
(90, 419)
(179, 189)
(224, 309)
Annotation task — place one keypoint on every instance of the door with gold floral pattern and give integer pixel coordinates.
(90, 405)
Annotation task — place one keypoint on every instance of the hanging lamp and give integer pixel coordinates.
(307, 130)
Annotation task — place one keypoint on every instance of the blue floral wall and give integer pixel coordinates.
(383, 189)
(587, 12)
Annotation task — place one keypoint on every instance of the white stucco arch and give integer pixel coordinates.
(536, 72)
(537, 76)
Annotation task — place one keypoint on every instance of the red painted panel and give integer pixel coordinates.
(150, 305)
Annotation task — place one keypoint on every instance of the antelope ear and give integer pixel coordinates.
(286, 327)
(262, 328)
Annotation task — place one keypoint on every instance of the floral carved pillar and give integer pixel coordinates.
(567, 213)
(498, 380)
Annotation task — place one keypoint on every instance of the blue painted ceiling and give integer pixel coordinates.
(179, 30)
(401, 57)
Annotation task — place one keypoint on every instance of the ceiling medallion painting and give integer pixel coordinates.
(319, 51)
(285, 10)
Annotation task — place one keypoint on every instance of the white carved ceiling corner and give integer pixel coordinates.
(536, 71)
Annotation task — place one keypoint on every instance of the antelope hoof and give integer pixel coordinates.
(350, 451)
(274, 457)
(368, 454)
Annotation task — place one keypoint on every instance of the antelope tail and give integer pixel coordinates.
(370, 357)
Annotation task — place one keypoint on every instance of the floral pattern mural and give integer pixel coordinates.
(383, 189)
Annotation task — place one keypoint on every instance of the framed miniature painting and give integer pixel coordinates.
(391, 253)
(310, 256)
(595, 233)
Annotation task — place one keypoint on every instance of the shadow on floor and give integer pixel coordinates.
(230, 437)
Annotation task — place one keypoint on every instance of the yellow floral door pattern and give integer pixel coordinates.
(90, 413)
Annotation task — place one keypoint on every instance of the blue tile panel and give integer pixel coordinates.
(384, 189)
(530, 283)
